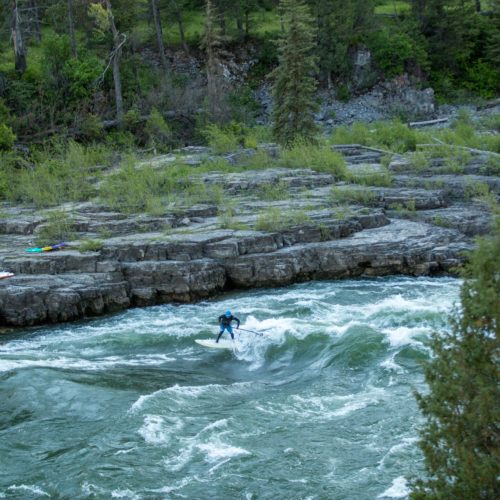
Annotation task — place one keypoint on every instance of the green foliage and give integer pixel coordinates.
(320, 158)
(90, 245)
(294, 85)
(396, 136)
(370, 177)
(224, 139)
(395, 50)
(275, 219)
(476, 189)
(158, 131)
(341, 195)
(274, 192)
(7, 137)
(64, 172)
(58, 227)
(460, 439)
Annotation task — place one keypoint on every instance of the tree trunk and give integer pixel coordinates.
(17, 39)
(181, 32)
(36, 22)
(117, 48)
(247, 23)
(159, 33)
(72, 29)
(478, 5)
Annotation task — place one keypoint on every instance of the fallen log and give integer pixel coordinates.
(428, 123)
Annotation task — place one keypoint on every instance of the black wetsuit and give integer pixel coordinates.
(225, 324)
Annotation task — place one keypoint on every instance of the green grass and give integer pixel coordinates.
(362, 196)
(397, 137)
(320, 158)
(369, 177)
(275, 219)
(395, 7)
(90, 245)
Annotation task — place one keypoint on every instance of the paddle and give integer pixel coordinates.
(251, 331)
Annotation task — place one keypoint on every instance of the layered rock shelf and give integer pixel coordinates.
(420, 225)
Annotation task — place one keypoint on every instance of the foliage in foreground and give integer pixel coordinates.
(460, 439)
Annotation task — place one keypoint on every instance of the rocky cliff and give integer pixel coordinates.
(420, 225)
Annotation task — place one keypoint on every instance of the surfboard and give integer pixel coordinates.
(222, 344)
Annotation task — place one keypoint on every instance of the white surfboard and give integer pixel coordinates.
(222, 344)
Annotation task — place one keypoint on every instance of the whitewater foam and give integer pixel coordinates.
(31, 488)
(399, 489)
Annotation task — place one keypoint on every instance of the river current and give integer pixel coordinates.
(319, 407)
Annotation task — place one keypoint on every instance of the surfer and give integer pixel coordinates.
(225, 324)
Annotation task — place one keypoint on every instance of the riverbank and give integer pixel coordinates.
(283, 226)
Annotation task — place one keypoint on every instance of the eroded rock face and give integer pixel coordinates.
(420, 225)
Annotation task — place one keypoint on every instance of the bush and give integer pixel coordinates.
(352, 195)
(158, 132)
(58, 227)
(319, 158)
(90, 245)
(224, 139)
(369, 177)
(274, 219)
(394, 50)
(392, 135)
(7, 137)
(65, 172)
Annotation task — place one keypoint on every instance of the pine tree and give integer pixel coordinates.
(461, 437)
(294, 82)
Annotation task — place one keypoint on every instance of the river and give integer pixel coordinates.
(319, 407)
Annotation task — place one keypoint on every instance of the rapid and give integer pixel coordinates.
(319, 407)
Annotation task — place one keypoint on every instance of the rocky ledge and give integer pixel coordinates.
(420, 225)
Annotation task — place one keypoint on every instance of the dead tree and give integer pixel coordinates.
(17, 39)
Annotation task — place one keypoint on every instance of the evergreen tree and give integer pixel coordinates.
(461, 438)
(342, 24)
(294, 82)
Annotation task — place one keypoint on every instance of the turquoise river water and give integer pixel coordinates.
(320, 407)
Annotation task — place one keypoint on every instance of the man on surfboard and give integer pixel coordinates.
(225, 324)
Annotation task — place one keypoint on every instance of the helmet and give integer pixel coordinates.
(228, 313)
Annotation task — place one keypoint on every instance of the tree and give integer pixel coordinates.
(159, 33)
(17, 39)
(460, 439)
(213, 44)
(294, 82)
(341, 25)
(104, 20)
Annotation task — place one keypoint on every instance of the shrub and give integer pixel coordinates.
(274, 219)
(58, 227)
(130, 188)
(157, 130)
(90, 245)
(260, 159)
(223, 139)
(274, 192)
(369, 177)
(392, 135)
(394, 50)
(352, 195)
(320, 158)
(7, 137)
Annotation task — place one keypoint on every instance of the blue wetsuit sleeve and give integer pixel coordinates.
(237, 320)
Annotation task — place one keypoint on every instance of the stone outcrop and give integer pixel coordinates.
(418, 226)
